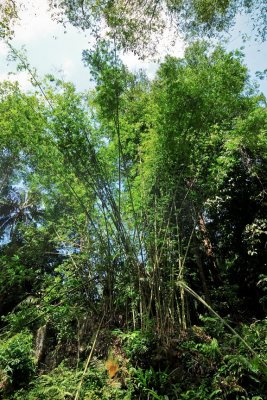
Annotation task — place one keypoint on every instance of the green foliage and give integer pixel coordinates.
(208, 349)
(137, 345)
(8, 15)
(110, 75)
(16, 360)
(128, 191)
(200, 393)
(149, 382)
(212, 326)
(26, 314)
(133, 23)
(13, 273)
(59, 384)
(62, 382)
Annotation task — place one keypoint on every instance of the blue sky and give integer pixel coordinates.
(255, 52)
(51, 50)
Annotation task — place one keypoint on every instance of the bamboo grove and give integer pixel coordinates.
(140, 203)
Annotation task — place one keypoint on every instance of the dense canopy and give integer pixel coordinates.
(137, 25)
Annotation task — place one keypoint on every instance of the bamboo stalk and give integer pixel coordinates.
(88, 360)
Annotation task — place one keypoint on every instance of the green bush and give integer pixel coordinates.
(150, 382)
(137, 345)
(62, 384)
(16, 360)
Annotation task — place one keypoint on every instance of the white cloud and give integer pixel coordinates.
(67, 67)
(134, 64)
(21, 77)
(35, 22)
(3, 49)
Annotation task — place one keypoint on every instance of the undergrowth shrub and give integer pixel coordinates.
(59, 384)
(195, 366)
(62, 384)
(138, 346)
(17, 364)
(26, 313)
(150, 383)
